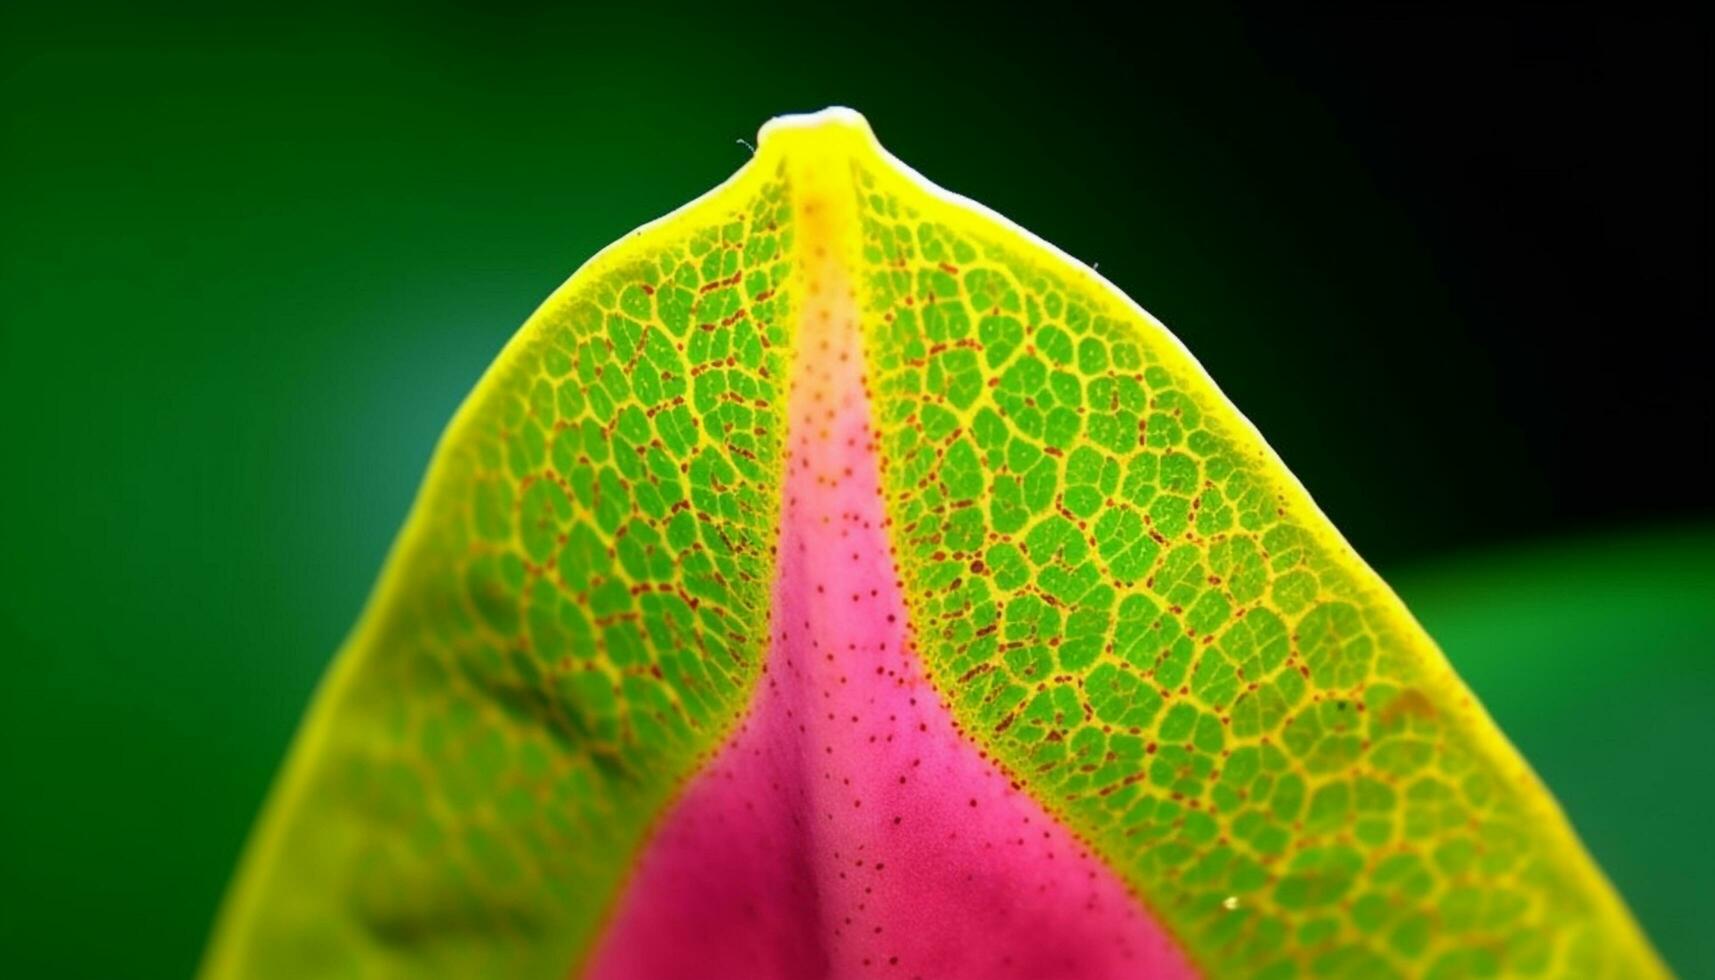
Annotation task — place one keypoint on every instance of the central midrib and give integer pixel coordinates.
(847, 829)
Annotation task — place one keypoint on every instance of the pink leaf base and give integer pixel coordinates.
(848, 829)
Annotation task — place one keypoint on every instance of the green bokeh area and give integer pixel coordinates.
(250, 263)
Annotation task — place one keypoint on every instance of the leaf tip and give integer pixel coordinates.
(832, 122)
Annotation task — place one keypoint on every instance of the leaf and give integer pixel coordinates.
(831, 577)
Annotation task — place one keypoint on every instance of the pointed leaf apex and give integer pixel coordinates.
(831, 128)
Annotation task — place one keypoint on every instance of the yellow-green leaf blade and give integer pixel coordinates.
(571, 619)
(1129, 600)
(1122, 596)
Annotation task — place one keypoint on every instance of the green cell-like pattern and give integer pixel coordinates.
(1122, 596)
(572, 620)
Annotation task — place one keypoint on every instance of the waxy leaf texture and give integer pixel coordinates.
(832, 579)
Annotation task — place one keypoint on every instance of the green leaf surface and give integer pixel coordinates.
(1122, 596)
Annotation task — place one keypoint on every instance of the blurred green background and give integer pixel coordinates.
(1454, 265)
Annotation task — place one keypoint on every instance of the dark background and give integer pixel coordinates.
(1454, 265)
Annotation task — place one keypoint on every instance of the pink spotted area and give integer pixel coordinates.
(848, 829)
